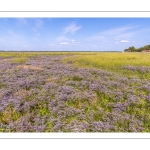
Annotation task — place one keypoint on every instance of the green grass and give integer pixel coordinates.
(103, 101)
(8, 115)
(76, 78)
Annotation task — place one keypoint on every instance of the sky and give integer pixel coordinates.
(73, 34)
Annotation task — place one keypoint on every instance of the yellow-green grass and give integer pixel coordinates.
(113, 61)
(19, 59)
(22, 57)
(30, 54)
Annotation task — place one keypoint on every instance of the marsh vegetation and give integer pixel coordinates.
(74, 92)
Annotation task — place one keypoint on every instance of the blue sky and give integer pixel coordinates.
(73, 34)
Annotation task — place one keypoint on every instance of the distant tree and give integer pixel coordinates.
(147, 47)
(130, 49)
(133, 49)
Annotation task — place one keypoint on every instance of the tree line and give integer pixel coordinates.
(133, 49)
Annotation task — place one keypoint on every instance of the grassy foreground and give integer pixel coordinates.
(74, 92)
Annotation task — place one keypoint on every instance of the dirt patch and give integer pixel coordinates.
(30, 67)
(52, 79)
(6, 59)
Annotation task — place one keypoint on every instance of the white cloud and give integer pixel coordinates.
(64, 43)
(71, 28)
(124, 41)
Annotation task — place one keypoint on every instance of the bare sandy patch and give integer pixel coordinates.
(30, 67)
(52, 79)
(6, 59)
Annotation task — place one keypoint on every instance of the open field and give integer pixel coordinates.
(74, 92)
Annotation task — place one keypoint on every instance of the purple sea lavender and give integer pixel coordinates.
(101, 127)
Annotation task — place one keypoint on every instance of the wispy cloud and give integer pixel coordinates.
(24, 46)
(71, 28)
(37, 35)
(38, 25)
(48, 45)
(22, 21)
(72, 40)
(2, 40)
(120, 32)
(10, 37)
(64, 43)
(62, 38)
(124, 41)
(116, 31)
(13, 34)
